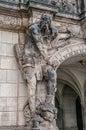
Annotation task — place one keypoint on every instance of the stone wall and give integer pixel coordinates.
(12, 88)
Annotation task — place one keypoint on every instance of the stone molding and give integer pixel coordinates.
(18, 18)
(15, 23)
(10, 21)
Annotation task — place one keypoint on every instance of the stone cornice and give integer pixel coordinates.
(63, 16)
(55, 10)
(16, 15)
(43, 6)
(38, 5)
(13, 15)
(7, 4)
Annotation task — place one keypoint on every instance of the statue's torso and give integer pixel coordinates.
(35, 35)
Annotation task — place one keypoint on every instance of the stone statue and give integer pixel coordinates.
(33, 59)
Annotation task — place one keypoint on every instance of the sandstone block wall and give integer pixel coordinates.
(12, 87)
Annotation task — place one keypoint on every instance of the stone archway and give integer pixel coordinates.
(68, 113)
(70, 109)
(72, 72)
(68, 51)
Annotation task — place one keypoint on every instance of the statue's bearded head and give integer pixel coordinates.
(45, 21)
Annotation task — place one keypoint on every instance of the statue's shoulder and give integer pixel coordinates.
(34, 28)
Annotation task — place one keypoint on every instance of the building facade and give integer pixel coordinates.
(69, 16)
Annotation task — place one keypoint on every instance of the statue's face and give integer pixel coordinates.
(45, 23)
(45, 27)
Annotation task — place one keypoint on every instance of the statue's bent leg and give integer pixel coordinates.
(31, 84)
